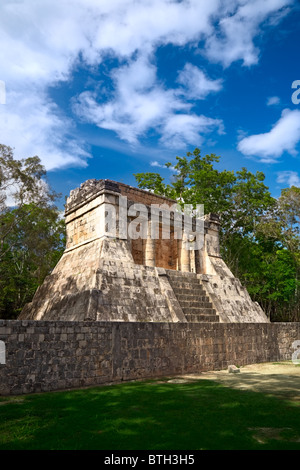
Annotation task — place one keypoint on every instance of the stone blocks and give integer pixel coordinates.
(54, 355)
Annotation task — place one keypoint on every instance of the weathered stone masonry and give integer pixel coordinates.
(106, 276)
(47, 355)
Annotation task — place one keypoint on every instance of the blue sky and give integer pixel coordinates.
(109, 88)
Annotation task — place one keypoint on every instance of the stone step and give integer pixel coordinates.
(195, 304)
(199, 311)
(186, 285)
(184, 291)
(179, 281)
(192, 280)
(202, 318)
(174, 273)
(192, 298)
(185, 282)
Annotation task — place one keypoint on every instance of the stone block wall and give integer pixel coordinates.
(53, 355)
(142, 196)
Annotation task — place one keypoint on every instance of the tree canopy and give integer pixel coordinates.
(32, 233)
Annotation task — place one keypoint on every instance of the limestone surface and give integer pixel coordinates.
(107, 275)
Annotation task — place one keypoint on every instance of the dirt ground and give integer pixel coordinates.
(280, 379)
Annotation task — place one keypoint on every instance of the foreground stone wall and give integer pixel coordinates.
(46, 355)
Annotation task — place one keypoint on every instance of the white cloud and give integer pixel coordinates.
(273, 100)
(237, 30)
(181, 129)
(145, 24)
(196, 83)
(137, 105)
(42, 43)
(229, 26)
(39, 44)
(33, 125)
(159, 165)
(140, 104)
(283, 137)
(292, 178)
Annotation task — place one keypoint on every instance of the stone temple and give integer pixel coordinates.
(106, 275)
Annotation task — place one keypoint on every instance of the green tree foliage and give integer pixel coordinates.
(259, 235)
(194, 176)
(32, 234)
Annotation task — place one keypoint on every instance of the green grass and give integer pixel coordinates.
(151, 415)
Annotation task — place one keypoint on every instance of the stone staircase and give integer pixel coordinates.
(192, 298)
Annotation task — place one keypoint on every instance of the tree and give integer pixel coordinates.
(21, 182)
(32, 234)
(289, 216)
(195, 181)
(282, 228)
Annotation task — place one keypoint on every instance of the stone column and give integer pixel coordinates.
(149, 248)
(199, 261)
(184, 255)
(212, 244)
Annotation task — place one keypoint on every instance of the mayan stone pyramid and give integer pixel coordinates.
(122, 265)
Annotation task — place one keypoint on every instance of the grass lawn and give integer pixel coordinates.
(150, 415)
